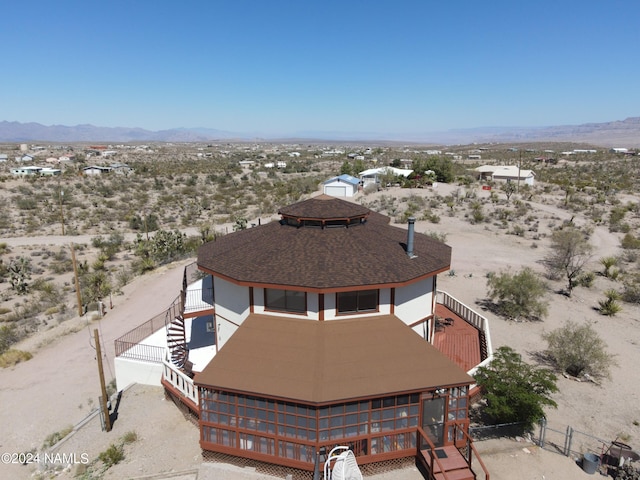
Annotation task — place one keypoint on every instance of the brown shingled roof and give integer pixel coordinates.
(322, 362)
(315, 259)
(324, 207)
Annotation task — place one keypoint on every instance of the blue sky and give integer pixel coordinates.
(279, 67)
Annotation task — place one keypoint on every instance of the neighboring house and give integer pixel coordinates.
(121, 168)
(95, 170)
(324, 328)
(32, 170)
(49, 172)
(406, 163)
(619, 150)
(506, 173)
(341, 186)
(373, 175)
(25, 158)
(4, 157)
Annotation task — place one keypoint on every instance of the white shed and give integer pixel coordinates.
(341, 186)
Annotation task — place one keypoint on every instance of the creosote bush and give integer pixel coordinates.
(12, 357)
(55, 437)
(112, 455)
(578, 350)
(519, 295)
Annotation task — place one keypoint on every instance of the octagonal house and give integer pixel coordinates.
(326, 329)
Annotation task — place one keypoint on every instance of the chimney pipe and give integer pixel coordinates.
(410, 235)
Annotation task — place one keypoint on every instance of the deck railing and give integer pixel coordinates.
(136, 335)
(431, 451)
(467, 451)
(140, 351)
(180, 382)
(197, 299)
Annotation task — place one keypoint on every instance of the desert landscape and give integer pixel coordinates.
(50, 386)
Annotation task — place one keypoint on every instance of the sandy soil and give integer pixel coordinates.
(59, 387)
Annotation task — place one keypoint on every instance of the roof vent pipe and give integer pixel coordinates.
(410, 235)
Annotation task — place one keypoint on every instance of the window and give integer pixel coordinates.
(355, 302)
(285, 300)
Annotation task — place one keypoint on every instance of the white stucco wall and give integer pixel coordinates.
(130, 371)
(232, 307)
(414, 302)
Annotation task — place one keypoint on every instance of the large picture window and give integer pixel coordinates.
(285, 300)
(356, 302)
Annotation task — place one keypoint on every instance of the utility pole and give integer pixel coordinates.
(103, 402)
(77, 280)
(61, 210)
(519, 167)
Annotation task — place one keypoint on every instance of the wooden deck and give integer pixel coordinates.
(457, 339)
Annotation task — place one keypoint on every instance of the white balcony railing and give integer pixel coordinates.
(181, 382)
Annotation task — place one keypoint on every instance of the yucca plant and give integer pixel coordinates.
(610, 305)
(608, 263)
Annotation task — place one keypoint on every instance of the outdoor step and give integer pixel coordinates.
(462, 474)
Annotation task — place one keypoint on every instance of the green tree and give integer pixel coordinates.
(240, 224)
(20, 274)
(570, 251)
(442, 167)
(520, 295)
(514, 390)
(509, 188)
(96, 286)
(577, 349)
(346, 168)
(166, 245)
(387, 177)
(163, 247)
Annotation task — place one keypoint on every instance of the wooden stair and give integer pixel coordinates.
(462, 474)
(450, 463)
(177, 342)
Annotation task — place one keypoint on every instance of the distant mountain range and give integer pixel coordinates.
(621, 133)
